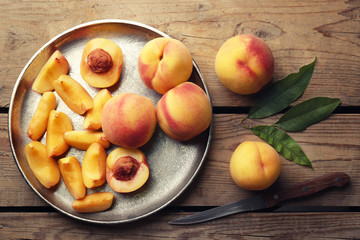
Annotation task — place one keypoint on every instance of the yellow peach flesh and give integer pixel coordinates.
(92, 119)
(94, 166)
(94, 202)
(82, 139)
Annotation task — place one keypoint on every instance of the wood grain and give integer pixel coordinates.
(241, 226)
(332, 145)
(296, 31)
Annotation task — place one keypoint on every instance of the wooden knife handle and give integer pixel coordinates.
(309, 187)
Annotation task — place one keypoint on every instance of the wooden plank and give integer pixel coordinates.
(326, 225)
(332, 145)
(290, 29)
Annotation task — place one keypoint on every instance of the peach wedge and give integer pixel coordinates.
(83, 139)
(92, 119)
(94, 166)
(126, 169)
(94, 202)
(45, 168)
(73, 94)
(53, 68)
(101, 63)
(38, 122)
(58, 124)
(70, 170)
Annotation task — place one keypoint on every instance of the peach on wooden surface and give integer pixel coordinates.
(255, 165)
(94, 202)
(70, 170)
(94, 166)
(38, 122)
(57, 125)
(126, 169)
(73, 94)
(92, 119)
(184, 111)
(101, 63)
(244, 64)
(82, 139)
(164, 63)
(53, 68)
(45, 168)
(129, 120)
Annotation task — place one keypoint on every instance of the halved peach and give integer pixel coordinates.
(92, 119)
(58, 124)
(53, 68)
(101, 63)
(126, 169)
(83, 139)
(70, 170)
(73, 94)
(38, 122)
(94, 166)
(45, 168)
(94, 202)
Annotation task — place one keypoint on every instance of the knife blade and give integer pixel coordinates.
(269, 200)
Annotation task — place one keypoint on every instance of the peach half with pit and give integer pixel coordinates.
(101, 63)
(126, 169)
(184, 111)
(129, 120)
(244, 64)
(164, 63)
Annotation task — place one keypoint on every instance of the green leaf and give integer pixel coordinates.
(282, 143)
(307, 113)
(282, 93)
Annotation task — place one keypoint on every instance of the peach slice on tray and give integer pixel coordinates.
(94, 202)
(164, 63)
(73, 94)
(70, 170)
(82, 139)
(94, 166)
(92, 119)
(126, 169)
(101, 63)
(57, 125)
(53, 68)
(45, 168)
(38, 122)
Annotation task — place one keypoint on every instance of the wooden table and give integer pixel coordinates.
(296, 31)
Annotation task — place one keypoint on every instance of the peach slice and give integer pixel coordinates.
(92, 119)
(94, 202)
(73, 94)
(126, 169)
(53, 68)
(94, 166)
(58, 124)
(70, 170)
(129, 120)
(83, 139)
(184, 111)
(164, 63)
(101, 63)
(38, 122)
(44, 167)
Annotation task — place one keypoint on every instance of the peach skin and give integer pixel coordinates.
(129, 120)
(164, 63)
(94, 202)
(255, 165)
(184, 111)
(244, 64)
(101, 63)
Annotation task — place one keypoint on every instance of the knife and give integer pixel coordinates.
(258, 202)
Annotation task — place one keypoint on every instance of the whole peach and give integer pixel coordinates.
(244, 64)
(184, 111)
(164, 63)
(255, 165)
(129, 120)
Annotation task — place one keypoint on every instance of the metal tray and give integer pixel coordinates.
(173, 164)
